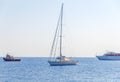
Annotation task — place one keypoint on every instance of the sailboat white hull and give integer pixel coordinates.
(56, 63)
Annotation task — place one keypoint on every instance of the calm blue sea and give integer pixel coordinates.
(38, 70)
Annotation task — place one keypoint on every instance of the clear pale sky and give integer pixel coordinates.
(90, 27)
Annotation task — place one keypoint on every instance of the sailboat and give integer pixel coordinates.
(60, 60)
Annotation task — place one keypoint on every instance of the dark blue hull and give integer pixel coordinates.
(5, 59)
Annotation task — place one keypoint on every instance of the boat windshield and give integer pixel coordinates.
(112, 54)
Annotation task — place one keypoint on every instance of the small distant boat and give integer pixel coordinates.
(109, 56)
(10, 58)
(60, 60)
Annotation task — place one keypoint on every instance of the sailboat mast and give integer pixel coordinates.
(61, 30)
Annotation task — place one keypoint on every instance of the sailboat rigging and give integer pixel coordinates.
(60, 60)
